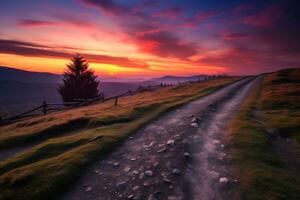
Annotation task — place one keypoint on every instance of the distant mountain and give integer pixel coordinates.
(21, 90)
(11, 74)
(176, 79)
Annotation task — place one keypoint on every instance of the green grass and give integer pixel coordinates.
(261, 171)
(47, 169)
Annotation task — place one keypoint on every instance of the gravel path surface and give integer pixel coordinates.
(178, 156)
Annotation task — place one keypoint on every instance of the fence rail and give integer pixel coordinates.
(46, 108)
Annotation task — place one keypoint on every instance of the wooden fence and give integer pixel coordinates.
(46, 108)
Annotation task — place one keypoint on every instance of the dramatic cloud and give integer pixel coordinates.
(164, 44)
(265, 18)
(36, 50)
(234, 36)
(241, 36)
(30, 23)
(108, 6)
(172, 12)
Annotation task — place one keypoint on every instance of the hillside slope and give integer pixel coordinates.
(265, 139)
(49, 152)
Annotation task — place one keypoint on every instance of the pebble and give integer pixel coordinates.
(166, 180)
(176, 171)
(116, 164)
(223, 180)
(151, 144)
(151, 197)
(170, 142)
(130, 196)
(149, 173)
(135, 188)
(121, 185)
(162, 150)
(127, 169)
(141, 176)
(195, 120)
(135, 172)
(130, 138)
(187, 155)
(155, 164)
(195, 125)
(176, 137)
(88, 189)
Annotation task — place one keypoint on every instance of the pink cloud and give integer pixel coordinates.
(204, 15)
(108, 7)
(242, 8)
(164, 44)
(36, 50)
(234, 36)
(30, 23)
(265, 18)
(172, 13)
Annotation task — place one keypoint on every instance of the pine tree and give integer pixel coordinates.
(79, 82)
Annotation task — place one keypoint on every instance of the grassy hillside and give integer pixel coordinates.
(63, 143)
(264, 139)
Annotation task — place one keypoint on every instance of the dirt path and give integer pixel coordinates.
(178, 156)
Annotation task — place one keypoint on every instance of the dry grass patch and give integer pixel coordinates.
(45, 170)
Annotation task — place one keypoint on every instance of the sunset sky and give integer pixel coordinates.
(149, 38)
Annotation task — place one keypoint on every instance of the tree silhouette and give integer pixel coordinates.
(79, 82)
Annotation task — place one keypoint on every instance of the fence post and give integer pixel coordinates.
(116, 101)
(44, 107)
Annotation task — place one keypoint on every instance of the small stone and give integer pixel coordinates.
(176, 137)
(135, 188)
(195, 125)
(223, 180)
(88, 189)
(176, 171)
(121, 185)
(151, 144)
(170, 142)
(98, 172)
(127, 169)
(141, 176)
(166, 180)
(162, 150)
(151, 197)
(116, 164)
(130, 138)
(195, 120)
(155, 164)
(135, 172)
(187, 155)
(133, 159)
(149, 173)
(130, 196)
